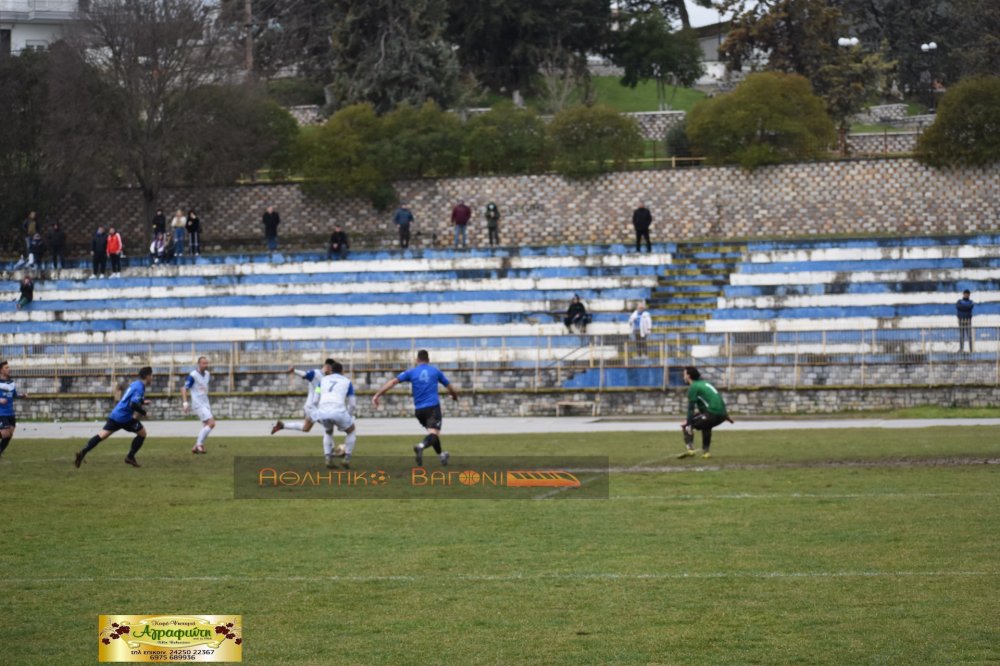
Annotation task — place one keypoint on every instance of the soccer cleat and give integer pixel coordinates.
(198, 448)
(330, 462)
(345, 464)
(706, 455)
(687, 453)
(280, 425)
(79, 459)
(418, 449)
(445, 456)
(132, 461)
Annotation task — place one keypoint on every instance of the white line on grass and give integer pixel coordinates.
(514, 577)
(768, 496)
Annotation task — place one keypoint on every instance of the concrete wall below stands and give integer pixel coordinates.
(889, 197)
(747, 402)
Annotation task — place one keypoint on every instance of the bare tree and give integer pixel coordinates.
(130, 85)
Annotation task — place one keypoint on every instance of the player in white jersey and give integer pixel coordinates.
(313, 377)
(335, 409)
(197, 384)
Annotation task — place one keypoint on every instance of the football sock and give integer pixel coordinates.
(349, 443)
(3, 444)
(328, 443)
(294, 425)
(433, 441)
(136, 445)
(94, 441)
(706, 439)
(203, 435)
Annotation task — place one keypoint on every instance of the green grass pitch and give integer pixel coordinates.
(812, 547)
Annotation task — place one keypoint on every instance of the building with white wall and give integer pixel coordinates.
(33, 24)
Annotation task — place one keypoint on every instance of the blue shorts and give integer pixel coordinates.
(132, 426)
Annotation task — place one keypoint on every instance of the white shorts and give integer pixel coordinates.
(340, 419)
(308, 410)
(204, 412)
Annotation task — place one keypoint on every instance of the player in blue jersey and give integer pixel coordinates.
(8, 393)
(122, 417)
(424, 378)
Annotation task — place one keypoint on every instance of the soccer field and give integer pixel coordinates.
(818, 547)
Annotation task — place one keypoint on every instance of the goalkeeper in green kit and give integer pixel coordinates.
(711, 412)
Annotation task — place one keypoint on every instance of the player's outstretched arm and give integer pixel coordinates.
(452, 392)
(185, 405)
(385, 389)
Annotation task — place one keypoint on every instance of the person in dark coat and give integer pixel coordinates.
(577, 315)
(159, 223)
(271, 221)
(339, 244)
(99, 252)
(27, 293)
(56, 241)
(963, 308)
(641, 220)
(36, 251)
(193, 227)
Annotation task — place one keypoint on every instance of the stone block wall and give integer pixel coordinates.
(885, 143)
(873, 196)
(654, 125)
(741, 402)
(885, 113)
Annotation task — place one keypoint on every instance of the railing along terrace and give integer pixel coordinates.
(851, 358)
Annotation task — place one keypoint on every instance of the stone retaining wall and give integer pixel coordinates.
(885, 143)
(742, 402)
(887, 196)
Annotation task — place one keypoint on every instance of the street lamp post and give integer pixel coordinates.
(928, 49)
(849, 43)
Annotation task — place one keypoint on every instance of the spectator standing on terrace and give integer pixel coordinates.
(964, 311)
(36, 251)
(178, 223)
(115, 249)
(577, 314)
(30, 228)
(56, 240)
(493, 223)
(339, 244)
(271, 220)
(193, 228)
(641, 220)
(460, 216)
(640, 323)
(27, 293)
(159, 223)
(403, 219)
(99, 252)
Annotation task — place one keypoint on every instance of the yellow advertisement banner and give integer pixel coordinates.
(170, 638)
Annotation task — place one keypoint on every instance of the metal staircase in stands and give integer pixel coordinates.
(688, 291)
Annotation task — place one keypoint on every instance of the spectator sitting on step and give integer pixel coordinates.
(339, 244)
(577, 314)
(27, 293)
(160, 250)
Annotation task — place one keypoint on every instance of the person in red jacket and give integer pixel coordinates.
(115, 251)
